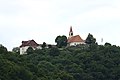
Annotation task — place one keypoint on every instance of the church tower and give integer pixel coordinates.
(71, 32)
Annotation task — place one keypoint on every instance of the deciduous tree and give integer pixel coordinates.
(90, 39)
(61, 41)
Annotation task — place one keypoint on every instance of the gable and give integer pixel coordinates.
(31, 43)
(76, 38)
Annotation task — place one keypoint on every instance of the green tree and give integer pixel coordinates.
(16, 50)
(90, 39)
(44, 45)
(107, 44)
(61, 41)
(58, 40)
(88, 62)
(11, 71)
(64, 40)
(54, 51)
(65, 76)
(3, 49)
(30, 50)
(49, 46)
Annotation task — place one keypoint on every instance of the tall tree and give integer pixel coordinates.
(90, 39)
(64, 40)
(61, 41)
(57, 40)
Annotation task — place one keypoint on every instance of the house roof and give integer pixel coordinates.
(31, 43)
(76, 38)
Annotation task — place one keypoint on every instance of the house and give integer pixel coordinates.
(74, 40)
(26, 44)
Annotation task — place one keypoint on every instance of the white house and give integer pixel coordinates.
(26, 44)
(74, 40)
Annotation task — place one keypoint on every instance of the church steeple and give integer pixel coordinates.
(71, 32)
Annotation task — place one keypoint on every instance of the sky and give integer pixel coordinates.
(44, 20)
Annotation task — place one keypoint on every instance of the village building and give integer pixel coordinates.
(26, 44)
(74, 40)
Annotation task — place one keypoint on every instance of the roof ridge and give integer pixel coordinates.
(75, 38)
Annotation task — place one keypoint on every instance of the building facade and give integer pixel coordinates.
(26, 44)
(74, 40)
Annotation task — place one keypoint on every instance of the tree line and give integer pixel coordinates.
(82, 62)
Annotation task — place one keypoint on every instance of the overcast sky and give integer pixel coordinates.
(43, 20)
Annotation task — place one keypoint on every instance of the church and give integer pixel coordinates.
(74, 40)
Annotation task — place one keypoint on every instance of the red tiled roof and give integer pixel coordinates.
(31, 43)
(76, 38)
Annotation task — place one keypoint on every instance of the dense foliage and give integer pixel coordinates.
(84, 62)
(61, 41)
(90, 39)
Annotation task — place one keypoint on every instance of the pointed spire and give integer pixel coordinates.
(71, 29)
(71, 32)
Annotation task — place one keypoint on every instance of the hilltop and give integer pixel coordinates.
(84, 62)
